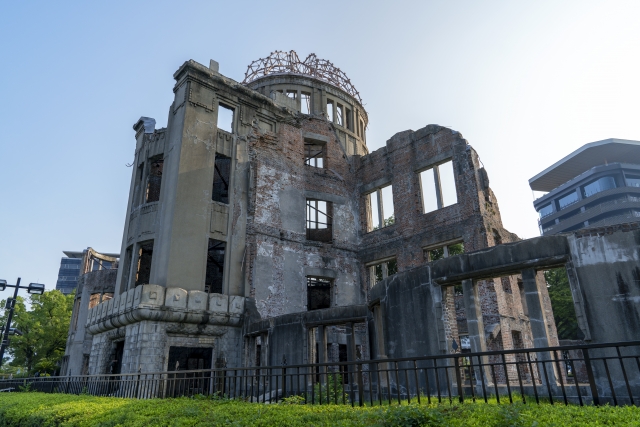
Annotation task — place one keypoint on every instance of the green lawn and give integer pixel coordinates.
(38, 409)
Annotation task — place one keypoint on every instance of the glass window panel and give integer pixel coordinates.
(447, 184)
(546, 211)
(602, 184)
(429, 199)
(387, 205)
(633, 181)
(568, 200)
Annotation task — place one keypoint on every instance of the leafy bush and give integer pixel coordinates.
(332, 391)
(39, 409)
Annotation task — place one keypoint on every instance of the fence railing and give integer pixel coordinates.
(579, 374)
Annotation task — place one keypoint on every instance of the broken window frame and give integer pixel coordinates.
(321, 284)
(440, 198)
(215, 283)
(305, 102)
(221, 179)
(315, 154)
(222, 106)
(154, 179)
(291, 94)
(143, 276)
(381, 269)
(447, 249)
(383, 221)
(316, 229)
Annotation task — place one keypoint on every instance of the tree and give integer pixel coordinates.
(44, 331)
(564, 312)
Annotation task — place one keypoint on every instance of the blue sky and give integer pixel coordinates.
(524, 82)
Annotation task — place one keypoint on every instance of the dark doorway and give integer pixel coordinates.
(189, 359)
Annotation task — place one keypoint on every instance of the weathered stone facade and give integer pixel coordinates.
(270, 225)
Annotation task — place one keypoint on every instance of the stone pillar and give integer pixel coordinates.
(475, 325)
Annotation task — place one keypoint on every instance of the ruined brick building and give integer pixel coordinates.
(258, 221)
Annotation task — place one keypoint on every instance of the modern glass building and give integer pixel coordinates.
(596, 185)
(69, 272)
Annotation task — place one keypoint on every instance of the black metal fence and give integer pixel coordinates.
(579, 374)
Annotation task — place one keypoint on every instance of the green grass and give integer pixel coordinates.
(38, 409)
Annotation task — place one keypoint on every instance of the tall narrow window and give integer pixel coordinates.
(349, 119)
(340, 115)
(215, 266)
(362, 129)
(438, 187)
(126, 268)
(225, 118)
(319, 219)
(220, 191)
(154, 180)
(318, 293)
(305, 103)
(314, 154)
(381, 213)
(145, 255)
(330, 112)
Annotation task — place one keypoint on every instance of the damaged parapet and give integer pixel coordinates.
(187, 311)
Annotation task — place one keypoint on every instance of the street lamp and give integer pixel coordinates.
(33, 288)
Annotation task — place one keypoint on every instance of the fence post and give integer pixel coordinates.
(592, 380)
(456, 362)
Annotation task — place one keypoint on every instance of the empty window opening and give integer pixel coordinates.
(330, 112)
(382, 270)
(319, 219)
(143, 271)
(154, 180)
(445, 251)
(381, 213)
(562, 304)
(292, 94)
(438, 187)
(362, 129)
(318, 293)
(340, 115)
(215, 266)
(314, 154)
(225, 118)
(349, 119)
(305, 103)
(220, 191)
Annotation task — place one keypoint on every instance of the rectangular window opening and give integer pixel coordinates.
(221, 174)
(128, 255)
(349, 119)
(445, 251)
(215, 266)
(154, 180)
(318, 293)
(340, 115)
(382, 270)
(381, 212)
(330, 113)
(225, 118)
(319, 220)
(438, 187)
(305, 103)
(314, 154)
(143, 270)
(292, 94)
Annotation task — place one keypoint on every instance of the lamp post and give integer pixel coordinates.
(33, 288)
